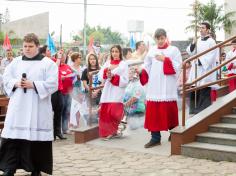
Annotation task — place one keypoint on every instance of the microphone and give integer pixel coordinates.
(24, 76)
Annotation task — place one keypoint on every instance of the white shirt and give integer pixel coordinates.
(208, 61)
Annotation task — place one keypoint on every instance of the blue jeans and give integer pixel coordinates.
(156, 136)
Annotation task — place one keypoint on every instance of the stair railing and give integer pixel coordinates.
(186, 88)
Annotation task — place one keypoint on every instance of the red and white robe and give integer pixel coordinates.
(112, 110)
(231, 69)
(161, 79)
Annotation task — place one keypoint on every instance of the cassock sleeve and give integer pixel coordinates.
(191, 49)
(209, 59)
(121, 79)
(143, 77)
(9, 80)
(148, 61)
(50, 84)
(168, 67)
(115, 80)
(101, 73)
(105, 73)
(173, 66)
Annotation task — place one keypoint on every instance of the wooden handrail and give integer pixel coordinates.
(209, 84)
(185, 85)
(211, 71)
(210, 49)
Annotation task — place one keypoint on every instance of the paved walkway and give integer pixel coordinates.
(120, 157)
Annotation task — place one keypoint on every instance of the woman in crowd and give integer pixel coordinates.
(77, 94)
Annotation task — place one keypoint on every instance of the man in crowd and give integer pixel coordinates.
(7, 60)
(140, 52)
(201, 66)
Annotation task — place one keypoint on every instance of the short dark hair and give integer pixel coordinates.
(138, 44)
(31, 37)
(208, 26)
(43, 49)
(160, 32)
(125, 51)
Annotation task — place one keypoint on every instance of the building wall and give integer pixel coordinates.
(229, 7)
(38, 24)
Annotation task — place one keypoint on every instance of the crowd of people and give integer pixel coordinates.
(58, 91)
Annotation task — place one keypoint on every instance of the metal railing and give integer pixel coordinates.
(187, 86)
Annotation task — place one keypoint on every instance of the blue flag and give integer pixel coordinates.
(51, 45)
(132, 42)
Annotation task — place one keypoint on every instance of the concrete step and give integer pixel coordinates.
(229, 118)
(223, 128)
(217, 138)
(213, 152)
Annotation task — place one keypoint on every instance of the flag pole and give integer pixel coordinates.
(61, 36)
(85, 13)
(196, 23)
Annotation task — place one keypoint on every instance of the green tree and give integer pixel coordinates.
(196, 17)
(213, 14)
(103, 35)
(97, 36)
(76, 38)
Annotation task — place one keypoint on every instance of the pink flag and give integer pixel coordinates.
(6, 44)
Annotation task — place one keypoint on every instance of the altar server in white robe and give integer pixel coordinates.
(161, 69)
(204, 64)
(116, 78)
(28, 129)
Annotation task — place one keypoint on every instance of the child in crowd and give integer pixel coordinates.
(92, 65)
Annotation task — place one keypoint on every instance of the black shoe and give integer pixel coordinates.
(36, 173)
(60, 136)
(152, 144)
(8, 173)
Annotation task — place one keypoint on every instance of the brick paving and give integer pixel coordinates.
(92, 160)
